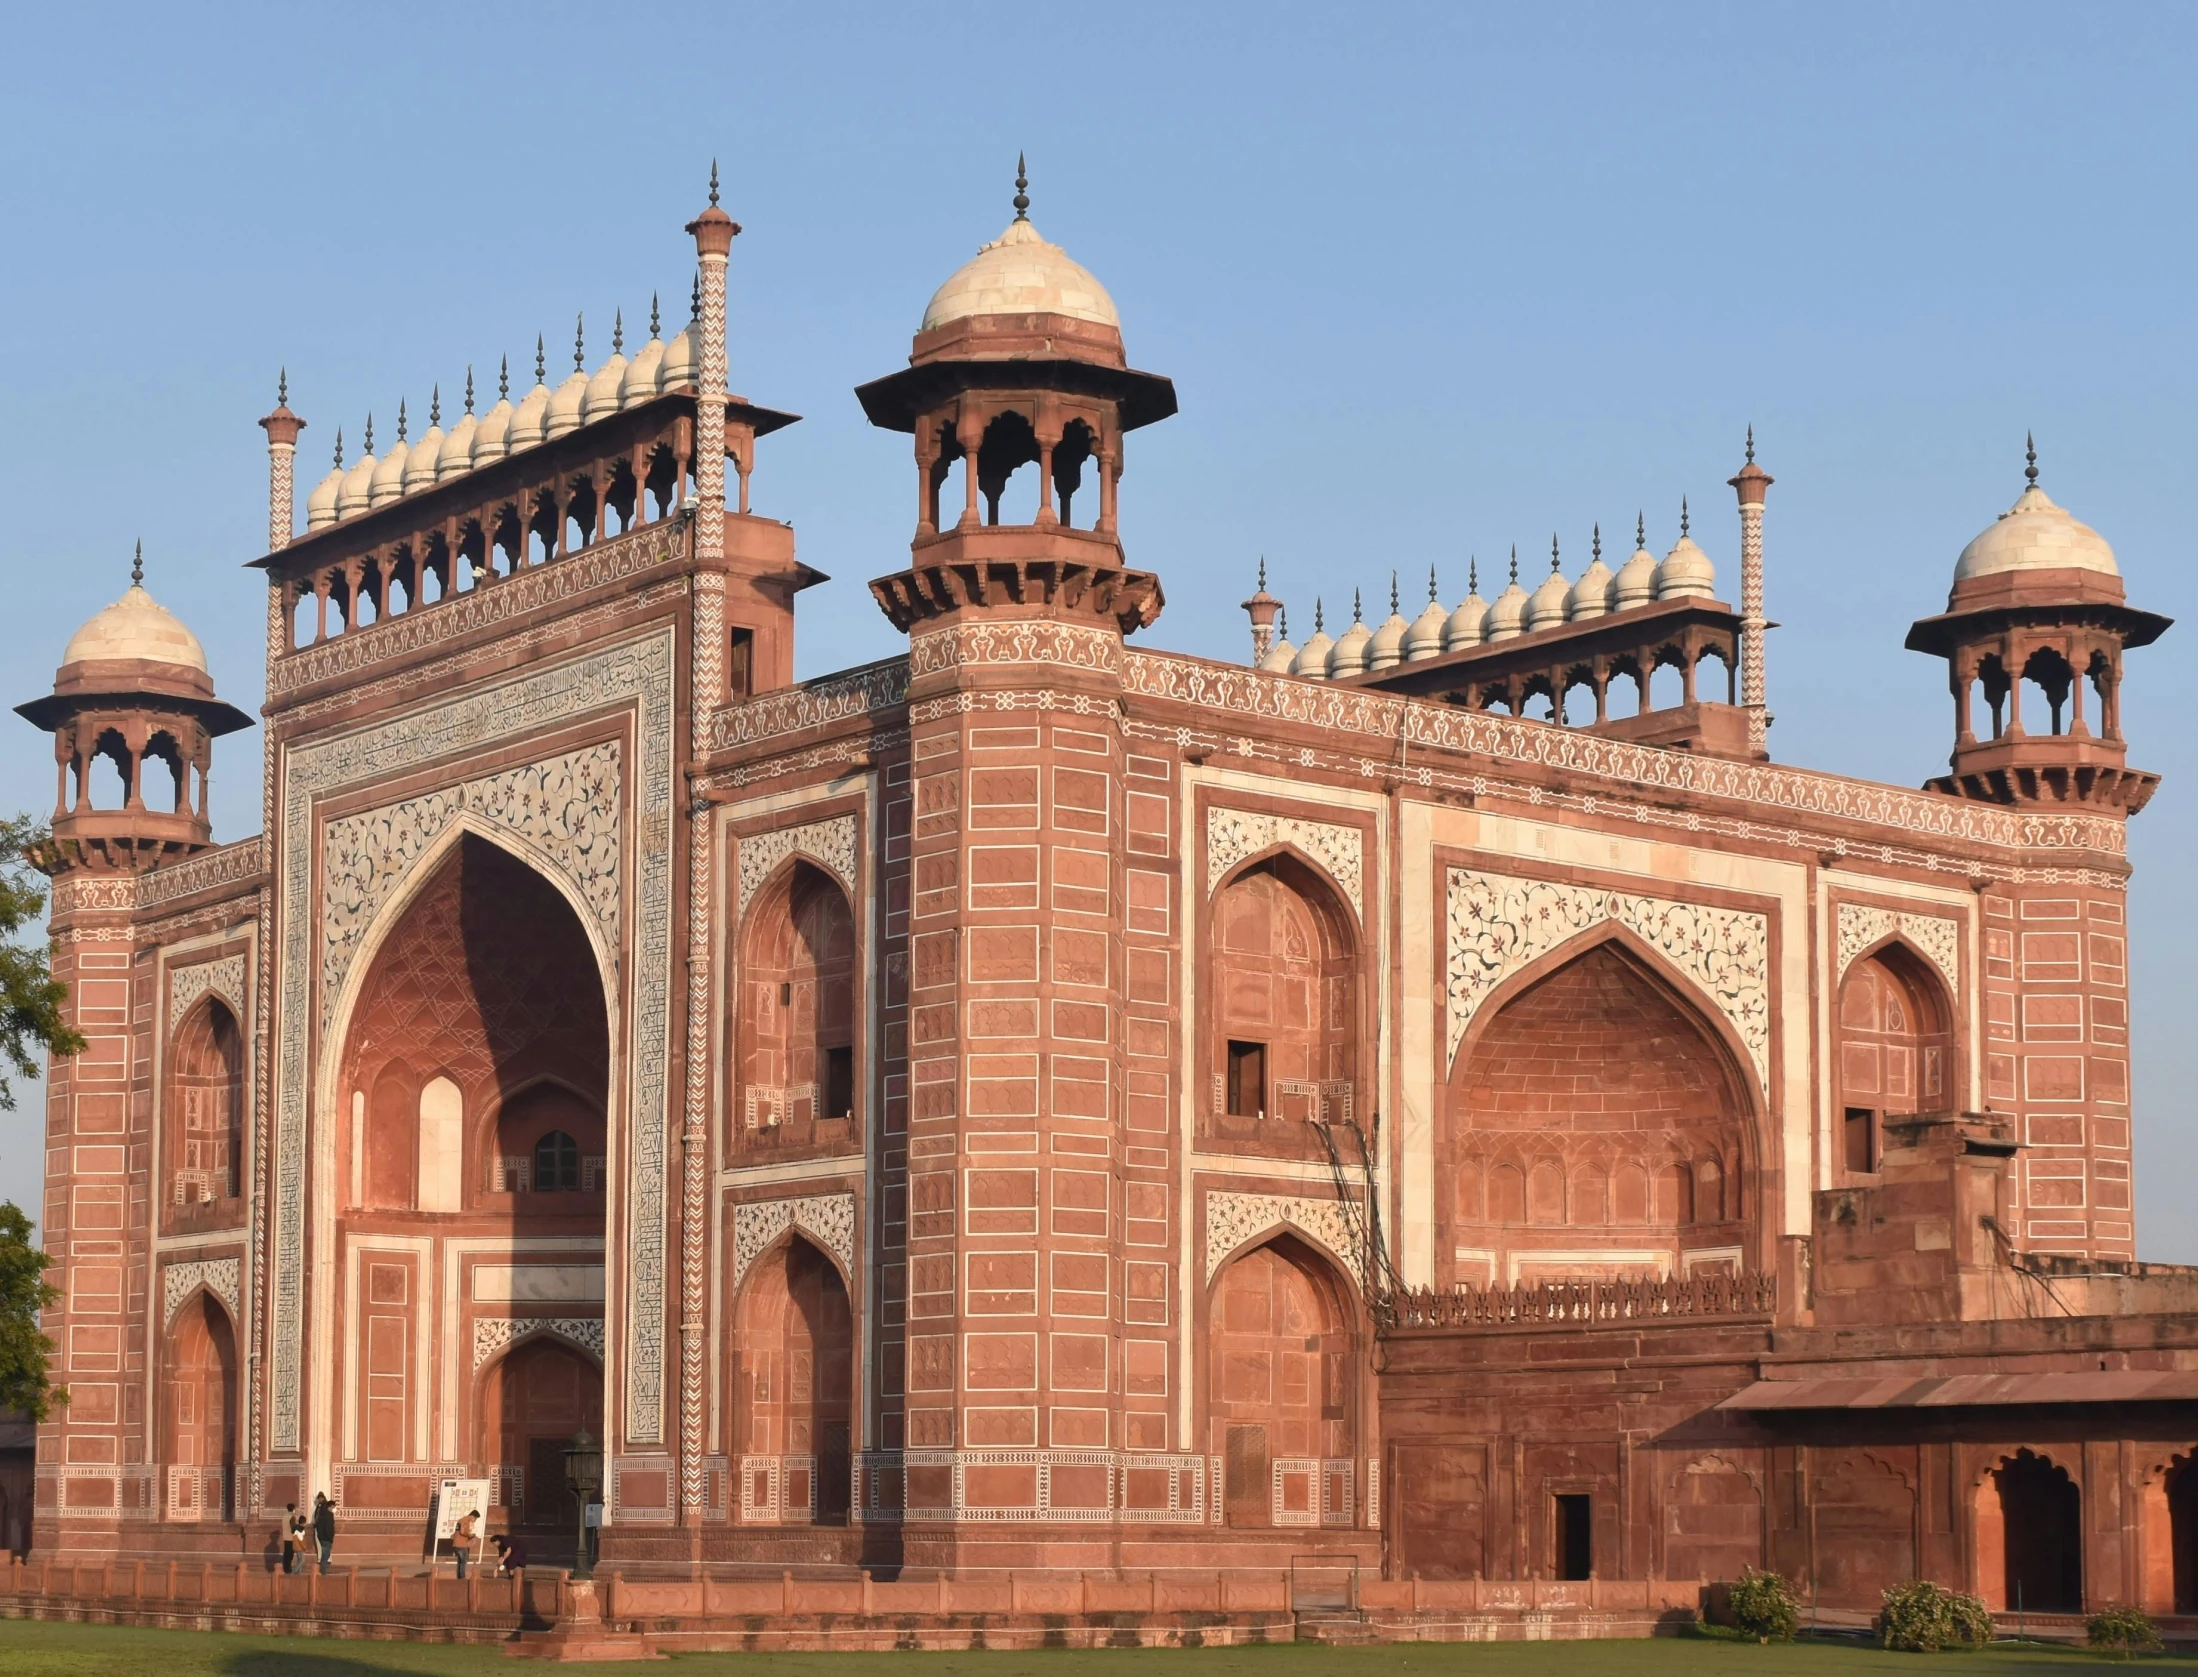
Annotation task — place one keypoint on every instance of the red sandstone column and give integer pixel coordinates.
(1750, 483)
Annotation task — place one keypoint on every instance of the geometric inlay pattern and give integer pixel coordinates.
(830, 842)
(638, 673)
(1936, 935)
(178, 1281)
(1232, 1219)
(1233, 834)
(492, 1334)
(830, 1217)
(1499, 924)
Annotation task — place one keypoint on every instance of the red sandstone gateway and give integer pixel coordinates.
(1039, 1127)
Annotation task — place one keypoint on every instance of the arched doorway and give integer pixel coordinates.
(2182, 1516)
(794, 1388)
(796, 1017)
(533, 1400)
(1597, 1125)
(1280, 1379)
(1283, 1032)
(198, 1404)
(1895, 1050)
(204, 1140)
(2029, 1515)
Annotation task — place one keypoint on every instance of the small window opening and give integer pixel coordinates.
(740, 663)
(1575, 1536)
(839, 1083)
(786, 995)
(557, 1164)
(1247, 1091)
(1859, 1129)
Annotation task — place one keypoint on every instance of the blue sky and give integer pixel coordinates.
(1430, 281)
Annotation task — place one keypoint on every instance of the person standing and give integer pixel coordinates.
(293, 1534)
(324, 1527)
(461, 1540)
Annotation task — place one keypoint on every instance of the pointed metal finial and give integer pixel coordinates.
(1682, 517)
(1553, 553)
(713, 183)
(137, 565)
(694, 301)
(1751, 445)
(579, 343)
(652, 314)
(1318, 629)
(435, 405)
(400, 419)
(618, 332)
(1473, 574)
(1596, 558)
(339, 448)
(370, 433)
(1392, 593)
(1640, 529)
(1282, 622)
(1263, 573)
(282, 388)
(2030, 449)
(1358, 609)
(503, 380)
(541, 362)
(469, 387)
(1022, 189)
(1432, 596)
(1514, 564)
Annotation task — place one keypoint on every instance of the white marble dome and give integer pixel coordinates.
(1686, 569)
(1314, 657)
(1546, 606)
(1425, 638)
(1468, 625)
(2035, 535)
(456, 457)
(1020, 273)
(1507, 617)
(136, 627)
(1635, 583)
(387, 483)
(320, 506)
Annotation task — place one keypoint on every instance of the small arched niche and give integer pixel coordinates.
(793, 1388)
(204, 1139)
(1281, 1386)
(1896, 1050)
(1283, 1011)
(797, 1085)
(198, 1411)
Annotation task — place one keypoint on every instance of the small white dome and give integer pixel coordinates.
(1019, 273)
(456, 458)
(1352, 647)
(605, 390)
(387, 484)
(492, 438)
(1468, 625)
(643, 374)
(358, 487)
(1281, 657)
(1507, 617)
(1635, 583)
(529, 420)
(1545, 607)
(1386, 649)
(565, 405)
(1686, 570)
(1424, 638)
(2035, 535)
(135, 627)
(682, 363)
(320, 506)
(1314, 657)
(1590, 596)
(424, 463)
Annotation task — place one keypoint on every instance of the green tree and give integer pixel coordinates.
(31, 998)
(24, 1351)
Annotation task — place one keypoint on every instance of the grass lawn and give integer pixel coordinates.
(29, 1649)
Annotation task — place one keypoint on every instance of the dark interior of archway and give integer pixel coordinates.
(2182, 1509)
(2043, 1514)
(533, 1402)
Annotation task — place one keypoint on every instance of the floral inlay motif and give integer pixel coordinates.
(179, 1281)
(1937, 935)
(1232, 1219)
(492, 1334)
(830, 1217)
(1233, 834)
(830, 843)
(225, 978)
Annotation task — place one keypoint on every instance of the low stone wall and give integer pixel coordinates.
(699, 1614)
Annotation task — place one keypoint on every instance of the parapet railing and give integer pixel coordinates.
(1577, 1303)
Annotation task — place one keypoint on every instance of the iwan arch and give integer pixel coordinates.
(1041, 1104)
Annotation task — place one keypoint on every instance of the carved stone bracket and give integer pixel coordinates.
(829, 1217)
(1938, 936)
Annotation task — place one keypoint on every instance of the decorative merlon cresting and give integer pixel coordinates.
(1339, 851)
(1498, 924)
(1938, 936)
(1232, 1219)
(829, 1217)
(829, 843)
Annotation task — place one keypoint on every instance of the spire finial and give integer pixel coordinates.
(652, 314)
(1640, 529)
(370, 433)
(503, 380)
(339, 448)
(435, 405)
(1392, 593)
(1514, 564)
(137, 565)
(469, 387)
(1318, 614)
(713, 183)
(1552, 553)
(694, 300)
(1358, 608)
(579, 343)
(400, 419)
(1473, 574)
(1597, 556)
(282, 388)
(541, 362)
(1432, 596)
(1263, 573)
(2030, 450)
(1022, 189)
(1682, 518)
(618, 332)
(1751, 445)
(1282, 622)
